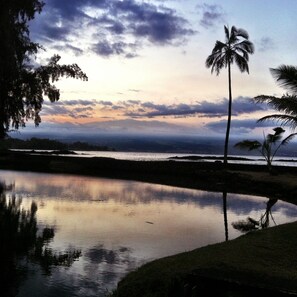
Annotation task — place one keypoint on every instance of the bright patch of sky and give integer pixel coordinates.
(146, 61)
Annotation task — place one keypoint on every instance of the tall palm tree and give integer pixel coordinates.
(286, 76)
(236, 48)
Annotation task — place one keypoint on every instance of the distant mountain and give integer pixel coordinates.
(187, 144)
(50, 144)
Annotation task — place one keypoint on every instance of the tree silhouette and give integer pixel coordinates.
(286, 76)
(236, 48)
(23, 85)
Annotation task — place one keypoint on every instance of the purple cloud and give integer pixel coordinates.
(113, 22)
(211, 15)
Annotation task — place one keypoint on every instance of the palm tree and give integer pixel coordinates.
(286, 76)
(236, 48)
(270, 145)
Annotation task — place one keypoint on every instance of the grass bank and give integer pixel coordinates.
(262, 261)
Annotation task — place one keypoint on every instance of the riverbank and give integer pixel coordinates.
(262, 260)
(261, 263)
(210, 176)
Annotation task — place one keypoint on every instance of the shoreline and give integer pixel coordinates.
(209, 176)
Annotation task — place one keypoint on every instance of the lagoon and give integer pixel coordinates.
(118, 225)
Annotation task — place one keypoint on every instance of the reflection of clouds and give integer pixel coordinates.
(99, 190)
(108, 266)
(286, 209)
(102, 270)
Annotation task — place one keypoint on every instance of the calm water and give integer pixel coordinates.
(119, 225)
(145, 156)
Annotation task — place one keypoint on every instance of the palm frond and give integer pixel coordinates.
(242, 33)
(288, 139)
(264, 98)
(273, 138)
(279, 130)
(227, 33)
(246, 46)
(286, 76)
(241, 62)
(281, 118)
(286, 104)
(219, 47)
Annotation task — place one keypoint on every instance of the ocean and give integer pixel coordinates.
(178, 157)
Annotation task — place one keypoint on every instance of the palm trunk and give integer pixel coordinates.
(229, 117)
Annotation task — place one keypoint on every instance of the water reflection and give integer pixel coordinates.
(119, 225)
(263, 222)
(20, 241)
(225, 215)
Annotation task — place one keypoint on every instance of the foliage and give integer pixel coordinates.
(266, 147)
(22, 85)
(286, 77)
(236, 48)
(49, 144)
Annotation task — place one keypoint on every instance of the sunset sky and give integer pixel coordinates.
(146, 64)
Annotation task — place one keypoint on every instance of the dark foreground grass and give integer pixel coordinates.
(265, 259)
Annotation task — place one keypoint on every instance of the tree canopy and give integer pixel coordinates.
(24, 85)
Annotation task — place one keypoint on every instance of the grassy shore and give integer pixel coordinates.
(258, 263)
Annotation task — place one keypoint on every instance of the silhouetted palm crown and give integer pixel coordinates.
(286, 76)
(236, 49)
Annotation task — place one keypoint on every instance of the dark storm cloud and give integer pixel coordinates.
(211, 15)
(112, 23)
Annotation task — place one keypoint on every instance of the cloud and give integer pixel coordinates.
(108, 27)
(211, 15)
(266, 44)
(241, 105)
(238, 126)
(72, 108)
(136, 109)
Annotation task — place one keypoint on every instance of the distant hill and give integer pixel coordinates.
(187, 144)
(49, 144)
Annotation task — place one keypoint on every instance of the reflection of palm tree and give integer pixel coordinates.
(19, 239)
(225, 215)
(236, 49)
(251, 224)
